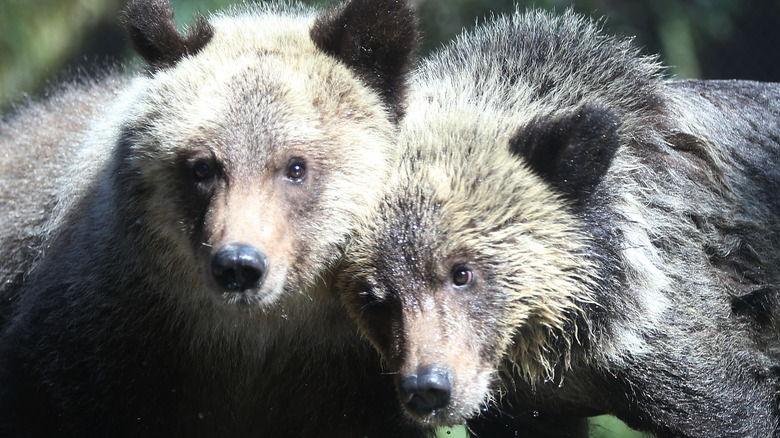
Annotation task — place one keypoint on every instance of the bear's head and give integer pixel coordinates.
(257, 136)
(476, 255)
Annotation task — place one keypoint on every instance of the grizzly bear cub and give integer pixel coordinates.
(569, 234)
(168, 236)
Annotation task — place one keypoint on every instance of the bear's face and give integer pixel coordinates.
(471, 258)
(254, 155)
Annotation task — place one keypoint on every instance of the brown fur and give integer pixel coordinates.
(114, 320)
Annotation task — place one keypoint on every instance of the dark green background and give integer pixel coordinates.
(711, 39)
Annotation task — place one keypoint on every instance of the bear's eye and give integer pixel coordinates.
(296, 170)
(202, 170)
(462, 276)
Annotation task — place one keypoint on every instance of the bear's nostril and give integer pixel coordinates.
(428, 390)
(239, 267)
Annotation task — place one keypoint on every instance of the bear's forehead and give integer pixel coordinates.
(254, 29)
(264, 94)
(415, 225)
(253, 105)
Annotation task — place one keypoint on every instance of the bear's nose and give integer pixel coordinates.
(238, 267)
(427, 390)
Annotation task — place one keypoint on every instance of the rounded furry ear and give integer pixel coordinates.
(376, 38)
(572, 151)
(155, 37)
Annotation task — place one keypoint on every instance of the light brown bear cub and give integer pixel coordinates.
(570, 234)
(167, 236)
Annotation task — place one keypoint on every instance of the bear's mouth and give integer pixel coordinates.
(264, 295)
(244, 299)
(433, 395)
(446, 416)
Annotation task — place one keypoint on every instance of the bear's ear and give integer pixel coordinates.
(155, 37)
(376, 38)
(571, 151)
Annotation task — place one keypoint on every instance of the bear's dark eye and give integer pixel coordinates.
(296, 170)
(202, 170)
(462, 276)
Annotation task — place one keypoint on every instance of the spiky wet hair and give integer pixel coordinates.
(489, 209)
(509, 132)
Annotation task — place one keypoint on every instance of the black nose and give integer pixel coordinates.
(427, 390)
(238, 267)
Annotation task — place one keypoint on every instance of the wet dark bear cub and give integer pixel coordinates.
(569, 234)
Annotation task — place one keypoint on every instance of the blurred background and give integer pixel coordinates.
(710, 39)
(46, 40)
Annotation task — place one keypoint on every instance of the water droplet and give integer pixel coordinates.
(536, 414)
(349, 113)
(201, 415)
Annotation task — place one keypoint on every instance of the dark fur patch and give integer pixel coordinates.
(572, 151)
(377, 38)
(526, 421)
(153, 33)
(762, 303)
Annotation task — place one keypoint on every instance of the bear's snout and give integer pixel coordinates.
(237, 267)
(427, 390)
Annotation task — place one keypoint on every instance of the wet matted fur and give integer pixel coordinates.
(569, 233)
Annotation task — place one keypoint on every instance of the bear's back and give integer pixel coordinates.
(47, 157)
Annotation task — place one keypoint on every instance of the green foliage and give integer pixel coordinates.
(38, 37)
(452, 432)
(607, 426)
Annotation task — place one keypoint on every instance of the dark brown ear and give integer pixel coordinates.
(573, 150)
(155, 37)
(376, 38)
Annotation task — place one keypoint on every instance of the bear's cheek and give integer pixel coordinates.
(381, 323)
